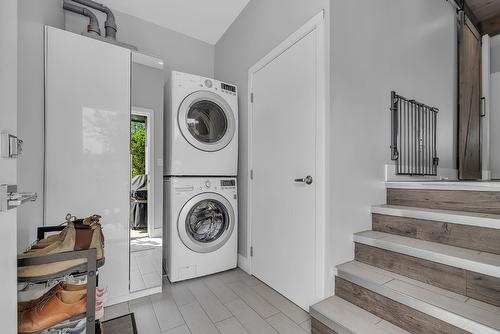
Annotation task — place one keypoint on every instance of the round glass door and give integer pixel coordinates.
(206, 222)
(206, 121)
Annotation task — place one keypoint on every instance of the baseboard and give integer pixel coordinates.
(244, 263)
(442, 174)
(486, 175)
(134, 295)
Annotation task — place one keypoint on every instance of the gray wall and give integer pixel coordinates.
(33, 15)
(495, 54)
(378, 46)
(261, 26)
(495, 59)
(364, 67)
(178, 51)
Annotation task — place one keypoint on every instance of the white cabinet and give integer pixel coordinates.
(87, 143)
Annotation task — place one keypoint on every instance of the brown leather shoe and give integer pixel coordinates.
(78, 236)
(24, 306)
(57, 308)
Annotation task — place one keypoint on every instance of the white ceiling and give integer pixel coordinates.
(206, 20)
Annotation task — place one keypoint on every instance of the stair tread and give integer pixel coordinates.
(344, 317)
(472, 260)
(446, 185)
(460, 311)
(447, 216)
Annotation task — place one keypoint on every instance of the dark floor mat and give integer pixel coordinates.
(121, 325)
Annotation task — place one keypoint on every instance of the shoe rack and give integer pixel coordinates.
(89, 255)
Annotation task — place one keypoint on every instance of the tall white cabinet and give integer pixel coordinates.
(87, 143)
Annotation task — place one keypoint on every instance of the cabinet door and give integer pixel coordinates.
(87, 142)
(469, 105)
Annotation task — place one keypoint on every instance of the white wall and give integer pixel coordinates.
(8, 172)
(261, 26)
(494, 107)
(33, 15)
(376, 47)
(178, 52)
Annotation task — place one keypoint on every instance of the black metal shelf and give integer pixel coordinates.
(89, 255)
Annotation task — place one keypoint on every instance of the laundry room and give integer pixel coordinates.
(218, 167)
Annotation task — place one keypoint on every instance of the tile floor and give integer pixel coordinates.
(232, 302)
(145, 268)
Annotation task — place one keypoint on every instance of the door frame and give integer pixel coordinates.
(317, 23)
(149, 160)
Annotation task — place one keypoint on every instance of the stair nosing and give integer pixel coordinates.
(445, 185)
(436, 311)
(408, 246)
(337, 324)
(447, 216)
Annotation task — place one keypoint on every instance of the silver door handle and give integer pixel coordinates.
(307, 180)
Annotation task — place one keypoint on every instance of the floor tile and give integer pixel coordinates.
(249, 318)
(231, 326)
(306, 325)
(145, 317)
(232, 276)
(220, 289)
(166, 311)
(259, 304)
(181, 293)
(209, 302)
(231, 302)
(115, 311)
(178, 330)
(286, 307)
(284, 325)
(197, 320)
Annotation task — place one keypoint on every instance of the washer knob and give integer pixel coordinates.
(208, 184)
(208, 83)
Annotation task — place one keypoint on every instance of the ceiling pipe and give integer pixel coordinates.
(93, 26)
(110, 24)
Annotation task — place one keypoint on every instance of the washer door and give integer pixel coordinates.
(206, 222)
(206, 121)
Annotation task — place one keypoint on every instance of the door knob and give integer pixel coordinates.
(307, 180)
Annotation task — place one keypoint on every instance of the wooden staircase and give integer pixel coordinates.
(430, 265)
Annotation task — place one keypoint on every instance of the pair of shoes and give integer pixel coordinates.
(61, 303)
(70, 220)
(65, 287)
(78, 235)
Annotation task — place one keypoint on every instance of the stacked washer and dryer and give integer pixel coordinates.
(201, 131)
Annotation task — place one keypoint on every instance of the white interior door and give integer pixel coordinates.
(284, 149)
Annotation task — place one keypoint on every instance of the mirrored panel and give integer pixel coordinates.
(146, 179)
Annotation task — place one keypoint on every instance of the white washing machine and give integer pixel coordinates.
(201, 237)
(201, 127)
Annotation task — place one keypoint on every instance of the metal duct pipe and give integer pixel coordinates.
(93, 26)
(110, 24)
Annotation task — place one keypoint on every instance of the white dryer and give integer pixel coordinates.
(201, 127)
(201, 226)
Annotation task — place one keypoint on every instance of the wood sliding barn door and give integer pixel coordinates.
(469, 105)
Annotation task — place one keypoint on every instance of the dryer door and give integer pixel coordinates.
(206, 222)
(206, 121)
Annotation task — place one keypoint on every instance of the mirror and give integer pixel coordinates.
(146, 177)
